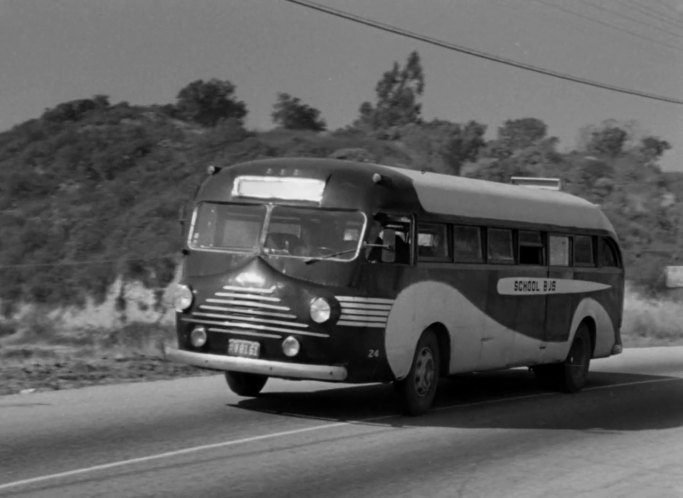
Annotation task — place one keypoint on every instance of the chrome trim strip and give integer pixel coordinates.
(363, 306)
(241, 295)
(344, 323)
(246, 311)
(258, 366)
(252, 304)
(257, 290)
(375, 300)
(250, 319)
(253, 326)
(353, 318)
(245, 332)
(347, 311)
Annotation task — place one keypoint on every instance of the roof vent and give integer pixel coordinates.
(537, 182)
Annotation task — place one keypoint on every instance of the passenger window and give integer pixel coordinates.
(467, 244)
(583, 251)
(608, 254)
(499, 246)
(432, 242)
(559, 250)
(399, 252)
(531, 248)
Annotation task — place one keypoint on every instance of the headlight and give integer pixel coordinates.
(182, 297)
(320, 310)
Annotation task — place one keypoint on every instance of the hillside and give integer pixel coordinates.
(93, 194)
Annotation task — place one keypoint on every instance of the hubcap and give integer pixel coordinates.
(424, 371)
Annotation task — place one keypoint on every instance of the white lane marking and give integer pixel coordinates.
(636, 383)
(234, 442)
(184, 451)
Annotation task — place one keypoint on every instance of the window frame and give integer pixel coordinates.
(481, 258)
(444, 229)
(579, 264)
(498, 261)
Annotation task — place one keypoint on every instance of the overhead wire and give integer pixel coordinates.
(621, 15)
(480, 54)
(610, 25)
(652, 13)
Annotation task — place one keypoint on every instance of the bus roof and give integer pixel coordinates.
(351, 184)
(455, 195)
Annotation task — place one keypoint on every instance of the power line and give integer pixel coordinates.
(609, 25)
(630, 18)
(476, 53)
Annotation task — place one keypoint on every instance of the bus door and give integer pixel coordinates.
(389, 251)
(559, 307)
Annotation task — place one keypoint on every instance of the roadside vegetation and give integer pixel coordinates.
(90, 191)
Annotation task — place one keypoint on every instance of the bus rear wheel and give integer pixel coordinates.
(418, 389)
(245, 384)
(570, 375)
(575, 366)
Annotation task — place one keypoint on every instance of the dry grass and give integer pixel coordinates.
(652, 321)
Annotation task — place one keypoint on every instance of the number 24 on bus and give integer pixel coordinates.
(303, 268)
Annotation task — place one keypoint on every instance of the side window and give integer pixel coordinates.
(609, 255)
(499, 246)
(432, 242)
(583, 251)
(559, 250)
(398, 248)
(531, 251)
(467, 244)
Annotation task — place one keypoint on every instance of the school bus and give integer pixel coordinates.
(339, 271)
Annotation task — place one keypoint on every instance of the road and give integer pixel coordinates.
(489, 435)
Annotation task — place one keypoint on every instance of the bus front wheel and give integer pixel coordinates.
(418, 389)
(245, 384)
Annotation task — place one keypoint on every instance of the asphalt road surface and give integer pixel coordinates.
(489, 435)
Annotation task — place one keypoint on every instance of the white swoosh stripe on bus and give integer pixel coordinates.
(530, 286)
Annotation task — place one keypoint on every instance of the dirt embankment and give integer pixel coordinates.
(48, 375)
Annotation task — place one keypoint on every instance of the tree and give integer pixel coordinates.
(397, 94)
(606, 141)
(208, 102)
(76, 109)
(653, 147)
(291, 114)
(521, 133)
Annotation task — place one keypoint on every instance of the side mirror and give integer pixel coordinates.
(389, 240)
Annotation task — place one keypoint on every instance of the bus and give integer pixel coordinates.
(341, 271)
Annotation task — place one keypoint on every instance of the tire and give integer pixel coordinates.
(575, 366)
(245, 384)
(570, 375)
(418, 389)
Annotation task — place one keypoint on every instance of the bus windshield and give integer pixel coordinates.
(289, 232)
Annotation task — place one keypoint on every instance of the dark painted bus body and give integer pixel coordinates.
(333, 270)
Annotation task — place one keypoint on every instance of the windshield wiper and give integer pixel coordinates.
(328, 256)
(339, 253)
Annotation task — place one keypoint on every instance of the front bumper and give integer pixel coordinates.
(257, 366)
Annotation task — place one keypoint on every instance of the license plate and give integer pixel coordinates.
(238, 347)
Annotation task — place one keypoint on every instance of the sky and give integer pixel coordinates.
(145, 51)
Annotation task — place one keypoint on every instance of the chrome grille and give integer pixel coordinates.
(249, 311)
